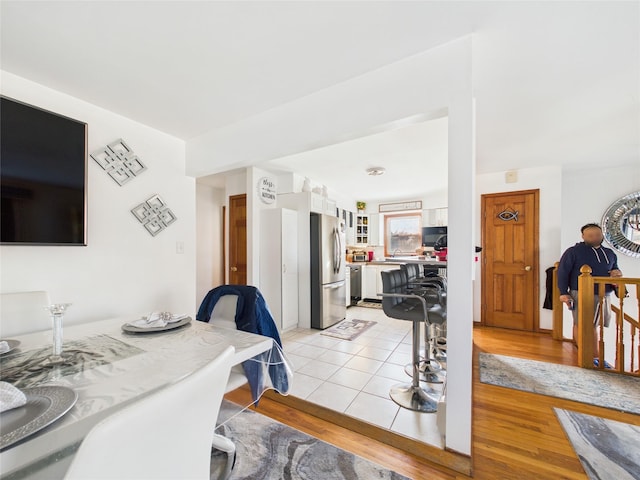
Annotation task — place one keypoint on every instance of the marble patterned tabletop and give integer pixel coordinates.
(111, 368)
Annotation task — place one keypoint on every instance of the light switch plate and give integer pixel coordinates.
(511, 176)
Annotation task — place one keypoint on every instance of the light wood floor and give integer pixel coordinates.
(515, 434)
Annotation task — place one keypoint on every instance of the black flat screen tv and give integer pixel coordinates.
(43, 176)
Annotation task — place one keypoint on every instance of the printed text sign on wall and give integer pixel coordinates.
(267, 190)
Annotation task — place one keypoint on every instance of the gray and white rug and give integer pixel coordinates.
(609, 390)
(270, 450)
(367, 304)
(608, 450)
(348, 329)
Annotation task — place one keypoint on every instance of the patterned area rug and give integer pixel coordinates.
(377, 305)
(269, 450)
(348, 329)
(618, 392)
(608, 450)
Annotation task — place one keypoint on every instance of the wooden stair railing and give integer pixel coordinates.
(627, 326)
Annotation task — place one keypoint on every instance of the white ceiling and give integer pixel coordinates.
(556, 83)
(415, 159)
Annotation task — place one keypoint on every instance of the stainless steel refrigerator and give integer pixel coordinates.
(328, 291)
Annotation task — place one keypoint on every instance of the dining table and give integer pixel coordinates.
(108, 368)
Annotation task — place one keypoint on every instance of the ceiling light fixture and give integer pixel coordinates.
(375, 171)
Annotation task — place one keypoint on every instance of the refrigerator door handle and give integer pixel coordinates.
(339, 253)
(336, 243)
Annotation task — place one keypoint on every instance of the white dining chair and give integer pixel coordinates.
(23, 312)
(224, 314)
(167, 435)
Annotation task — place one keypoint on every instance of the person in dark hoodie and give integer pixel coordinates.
(603, 263)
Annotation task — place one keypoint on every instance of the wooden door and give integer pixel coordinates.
(238, 239)
(510, 260)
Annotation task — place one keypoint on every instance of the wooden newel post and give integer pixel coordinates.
(556, 305)
(585, 317)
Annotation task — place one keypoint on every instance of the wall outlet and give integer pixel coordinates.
(180, 247)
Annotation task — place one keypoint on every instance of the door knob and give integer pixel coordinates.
(528, 268)
(234, 269)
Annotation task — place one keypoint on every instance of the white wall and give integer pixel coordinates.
(549, 181)
(209, 255)
(123, 271)
(435, 82)
(254, 208)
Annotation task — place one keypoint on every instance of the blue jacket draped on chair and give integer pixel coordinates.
(253, 315)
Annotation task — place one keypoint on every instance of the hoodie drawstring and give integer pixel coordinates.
(598, 256)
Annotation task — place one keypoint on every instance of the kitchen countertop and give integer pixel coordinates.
(401, 261)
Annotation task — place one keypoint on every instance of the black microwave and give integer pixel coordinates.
(431, 234)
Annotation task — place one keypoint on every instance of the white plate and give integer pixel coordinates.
(44, 406)
(12, 345)
(169, 326)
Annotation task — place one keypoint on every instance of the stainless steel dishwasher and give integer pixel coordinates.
(356, 283)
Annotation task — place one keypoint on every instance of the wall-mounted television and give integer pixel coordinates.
(431, 234)
(43, 176)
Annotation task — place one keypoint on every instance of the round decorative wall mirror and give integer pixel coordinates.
(621, 225)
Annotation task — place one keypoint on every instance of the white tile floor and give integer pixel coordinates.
(354, 377)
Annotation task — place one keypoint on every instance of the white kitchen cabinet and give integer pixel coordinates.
(374, 229)
(350, 236)
(319, 204)
(330, 207)
(369, 286)
(372, 280)
(435, 217)
(279, 265)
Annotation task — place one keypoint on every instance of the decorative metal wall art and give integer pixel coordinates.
(119, 161)
(508, 214)
(621, 225)
(154, 215)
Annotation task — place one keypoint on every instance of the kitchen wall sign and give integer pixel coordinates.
(399, 207)
(267, 190)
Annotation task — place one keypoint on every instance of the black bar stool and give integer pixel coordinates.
(433, 290)
(396, 303)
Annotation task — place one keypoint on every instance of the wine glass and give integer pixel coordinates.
(56, 311)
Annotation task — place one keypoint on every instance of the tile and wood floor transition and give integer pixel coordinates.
(354, 377)
(516, 435)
